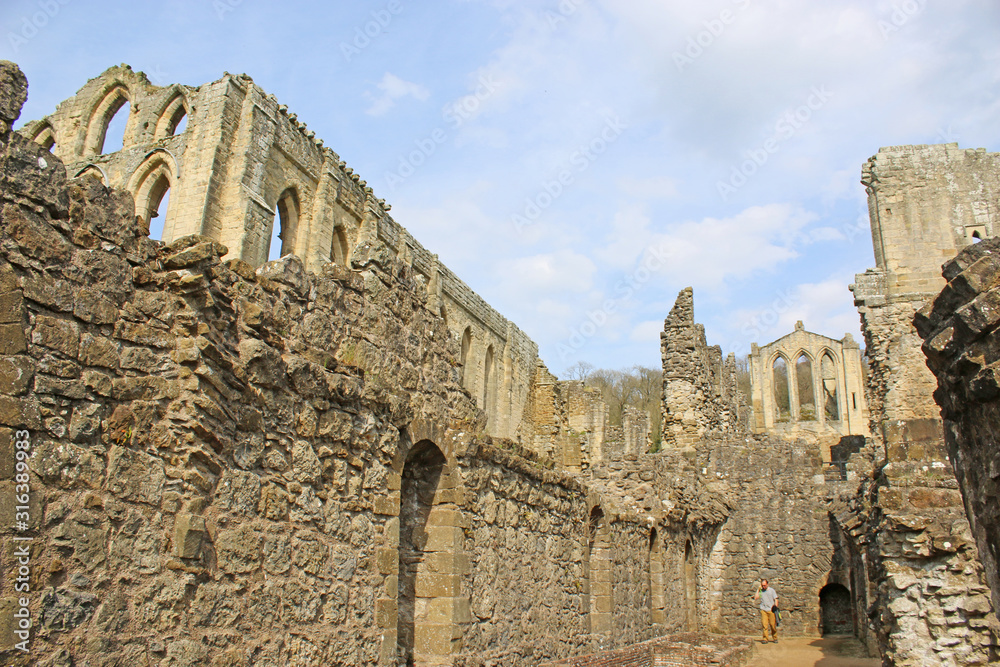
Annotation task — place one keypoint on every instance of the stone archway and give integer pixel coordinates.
(429, 583)
(836, 610)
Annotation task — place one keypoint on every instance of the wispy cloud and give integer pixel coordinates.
(391, 90)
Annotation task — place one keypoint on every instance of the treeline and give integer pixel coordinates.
(638, 387)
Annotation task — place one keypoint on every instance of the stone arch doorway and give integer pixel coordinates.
(836, 611)
(657, 595)
(429, 580)
(690, 586)
(599, 573)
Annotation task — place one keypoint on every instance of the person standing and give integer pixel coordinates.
(768, 601)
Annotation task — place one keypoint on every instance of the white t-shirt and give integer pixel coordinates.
(768, 598)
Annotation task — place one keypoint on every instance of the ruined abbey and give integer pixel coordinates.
(347, 457)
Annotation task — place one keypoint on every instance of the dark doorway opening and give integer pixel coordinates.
(835, 606)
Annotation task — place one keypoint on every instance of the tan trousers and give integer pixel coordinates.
(767, 621)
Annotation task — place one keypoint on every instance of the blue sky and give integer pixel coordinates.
(578, 162)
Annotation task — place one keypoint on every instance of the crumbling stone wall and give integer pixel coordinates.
(274, 466)
(565, 421)
(699, 390)
(960, 334)
(243, 161)
(931, 604)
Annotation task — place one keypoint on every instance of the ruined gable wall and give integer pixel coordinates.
(241, 151)
(220, 456)
(846, 382)
(922, 561)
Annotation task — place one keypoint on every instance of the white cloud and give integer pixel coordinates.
(562, 271)
(392, 89)
(647, 332)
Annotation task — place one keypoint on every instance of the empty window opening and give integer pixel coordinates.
(150, 186)
(831, 398)
(779, 380)
(804, 379)
(113, 139)
(46, 138)
(339, 252)
(977, 238)
(173, 120)
(487, 379)
(466, 344)
(286, 219)
(178, 123)
(836, 609)
(159, 199)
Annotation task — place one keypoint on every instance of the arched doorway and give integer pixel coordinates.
(428, 584)
(690, 586)
(837, 617)
(657, 596)
(599, 573)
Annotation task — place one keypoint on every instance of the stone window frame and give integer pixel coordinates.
(779, 354)
(171, 116)
(45, 136)
(96, 170)
(116, 95)
(287, 213)
(147, 186)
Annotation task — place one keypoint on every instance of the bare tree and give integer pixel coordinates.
(618, 389)
(581, 370)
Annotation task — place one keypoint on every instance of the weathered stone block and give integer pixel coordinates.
(12, 340)
(16, 374)
(189, 530)
(238, 550)
(11, 308)
(57, 334)
(135, 476)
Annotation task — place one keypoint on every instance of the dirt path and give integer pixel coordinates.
(813, 652)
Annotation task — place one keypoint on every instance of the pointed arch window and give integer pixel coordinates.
(284, 226)
(109, 123)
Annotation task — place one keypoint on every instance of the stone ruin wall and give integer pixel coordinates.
(565, 421)
(835, 367)
(962, 345)
(242, 157)
(699, 390)
(931, 605)
(278, 466)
